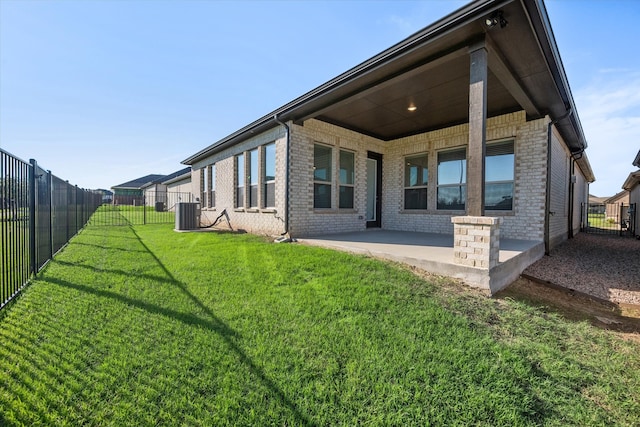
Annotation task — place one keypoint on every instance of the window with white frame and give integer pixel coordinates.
(499, 176)
(416, 181)
(240, 178)
(452, 179)
(347, 179)
(269, 175)
(322, 156)
(253, 178)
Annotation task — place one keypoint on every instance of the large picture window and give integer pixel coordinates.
(499, 176)
(321, 176)
(240, 175)
(347, 179)
(253, 178)
(270, 175)
(452, 179)
(416, 180)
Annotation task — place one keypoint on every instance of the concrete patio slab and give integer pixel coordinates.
(433, 253)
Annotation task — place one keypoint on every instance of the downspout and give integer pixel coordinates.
(572, 168)
(286, 176)
(547, 202)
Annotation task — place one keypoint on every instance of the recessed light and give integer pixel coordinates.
(412, 108)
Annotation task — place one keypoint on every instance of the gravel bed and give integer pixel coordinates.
(606, 267)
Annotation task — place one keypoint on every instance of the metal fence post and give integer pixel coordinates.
(144, 209)
(50, 191)
(33, 194)
(68, 202)
(75, 205)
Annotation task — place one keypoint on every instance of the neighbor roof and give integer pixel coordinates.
(431, 69)
(176, 176)
(141, 182)
(596, 199)
(636, 161)
(617, 196)
(632, 180)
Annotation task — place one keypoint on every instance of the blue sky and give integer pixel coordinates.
(101, 92)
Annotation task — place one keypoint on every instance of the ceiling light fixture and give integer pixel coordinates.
(495, 19)
(412, 108)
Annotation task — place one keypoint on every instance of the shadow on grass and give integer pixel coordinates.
(213, 322)
(169, 280)
(111, 248)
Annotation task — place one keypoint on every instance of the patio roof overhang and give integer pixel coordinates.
(430, 70)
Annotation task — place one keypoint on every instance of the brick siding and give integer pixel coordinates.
(525, 221)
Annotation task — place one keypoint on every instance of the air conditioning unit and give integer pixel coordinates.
(187, 216)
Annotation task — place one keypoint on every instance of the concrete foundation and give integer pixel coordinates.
(434, 253)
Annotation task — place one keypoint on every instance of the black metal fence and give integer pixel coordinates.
(610, 218)
(152, 207)
(39, 213)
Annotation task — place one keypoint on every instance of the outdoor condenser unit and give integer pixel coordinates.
(187, 216)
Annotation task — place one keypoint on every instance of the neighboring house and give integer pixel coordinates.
(177, 188)
(179, 182)
(107, 196)
(469, 120)
(614, 206)
(618, 198)
(595, 200)
(155, 194)
(161, 191)
(632, 185)
(132, 192)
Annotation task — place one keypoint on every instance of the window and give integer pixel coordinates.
(416, 179)
(203, 187)
(347, 173)
(452, 179)
(206, 189)
(253, 178)
(498, 175)
(270, 175)
(321, 176)
(212, 186)
(240, 181)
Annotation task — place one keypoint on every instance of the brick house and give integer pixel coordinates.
(468, 122)
(132, 192)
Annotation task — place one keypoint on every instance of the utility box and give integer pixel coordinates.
(187, 216)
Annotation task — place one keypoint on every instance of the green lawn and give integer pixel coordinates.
(144, 326)
(108, 214)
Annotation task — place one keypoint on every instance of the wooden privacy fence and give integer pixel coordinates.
(39, 213)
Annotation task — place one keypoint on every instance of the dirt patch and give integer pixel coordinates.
(606, 267)
(622, 318)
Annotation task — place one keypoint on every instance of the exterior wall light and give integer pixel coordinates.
(495, 19)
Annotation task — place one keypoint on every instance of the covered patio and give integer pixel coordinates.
(434, 253)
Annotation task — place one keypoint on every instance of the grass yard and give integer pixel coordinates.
(109, 214)
(143, 326)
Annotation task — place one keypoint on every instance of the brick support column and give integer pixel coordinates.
(476, 241)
